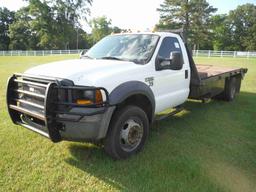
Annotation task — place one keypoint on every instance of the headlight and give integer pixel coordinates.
(87, 97)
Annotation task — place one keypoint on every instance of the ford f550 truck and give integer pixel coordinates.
(113, 93)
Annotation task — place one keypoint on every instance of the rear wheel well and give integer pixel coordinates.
(141, 101)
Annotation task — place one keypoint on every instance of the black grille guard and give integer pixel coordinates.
(46, 112)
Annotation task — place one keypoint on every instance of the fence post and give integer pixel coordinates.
(209, 53)
(234, 54)
(248, 55)
(221, 53)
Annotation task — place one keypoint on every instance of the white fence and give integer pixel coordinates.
(211, 53)
(39, 53)
(196, 53)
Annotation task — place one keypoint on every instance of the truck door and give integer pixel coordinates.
(171, 86)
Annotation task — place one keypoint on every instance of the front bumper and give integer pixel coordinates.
(89, 127)
(34, 102)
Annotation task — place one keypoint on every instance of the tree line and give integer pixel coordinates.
(52, 24)
(55, 24)
(235, 31)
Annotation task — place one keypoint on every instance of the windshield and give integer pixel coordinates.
(137, 48)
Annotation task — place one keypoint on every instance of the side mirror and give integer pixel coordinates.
(173, 63)
(82, 53)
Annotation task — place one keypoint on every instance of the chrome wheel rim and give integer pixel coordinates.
(131, 135)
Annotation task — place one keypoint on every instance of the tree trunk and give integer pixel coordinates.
(186, 25)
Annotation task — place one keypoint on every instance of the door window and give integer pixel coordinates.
(169, 44)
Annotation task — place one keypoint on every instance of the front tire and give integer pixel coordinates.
(127, 133)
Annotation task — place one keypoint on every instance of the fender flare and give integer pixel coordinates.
(127, 89)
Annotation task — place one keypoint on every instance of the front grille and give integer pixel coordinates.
(29, 100)
(42, 104)
(31, 95)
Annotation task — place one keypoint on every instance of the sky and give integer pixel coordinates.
(133, 14)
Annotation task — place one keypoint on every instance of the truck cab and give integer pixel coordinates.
(114, 92)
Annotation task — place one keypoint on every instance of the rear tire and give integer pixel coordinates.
(127, 133)
(230, 89)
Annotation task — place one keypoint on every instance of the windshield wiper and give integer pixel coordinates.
(86, 56)
(112, 58)
(138, 61)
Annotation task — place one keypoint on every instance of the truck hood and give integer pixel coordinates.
(81, 70)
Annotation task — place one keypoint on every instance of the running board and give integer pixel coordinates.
(173, 112)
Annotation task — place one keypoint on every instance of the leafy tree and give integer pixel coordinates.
(88, 41)
(51, 24)
(116, 29)
(101, 27)
(235, 31)
(192, 15)
(43, 24)
(243, 27)
(72, 10)
(6, 18)
(67, 15)
(20, 33)
(80, 40)
(221, 33)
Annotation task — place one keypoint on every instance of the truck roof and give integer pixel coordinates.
(150, 33)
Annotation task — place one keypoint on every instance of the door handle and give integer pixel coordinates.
(186, 74)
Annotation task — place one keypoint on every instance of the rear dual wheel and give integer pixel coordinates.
(127, 133)
(230, 89)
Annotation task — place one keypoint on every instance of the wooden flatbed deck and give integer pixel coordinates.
(206, 71)
(208, 80)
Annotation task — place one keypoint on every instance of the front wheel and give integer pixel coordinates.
(127, 133)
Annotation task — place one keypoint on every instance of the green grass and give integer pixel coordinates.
(207, 147)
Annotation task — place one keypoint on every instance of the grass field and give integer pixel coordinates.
(208, 147)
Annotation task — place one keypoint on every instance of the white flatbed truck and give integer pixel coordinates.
(114, 92)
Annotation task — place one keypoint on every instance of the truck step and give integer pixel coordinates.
(206, 100)
(173, 112)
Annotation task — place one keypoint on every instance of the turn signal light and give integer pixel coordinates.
(83, 102)
(98, 97)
